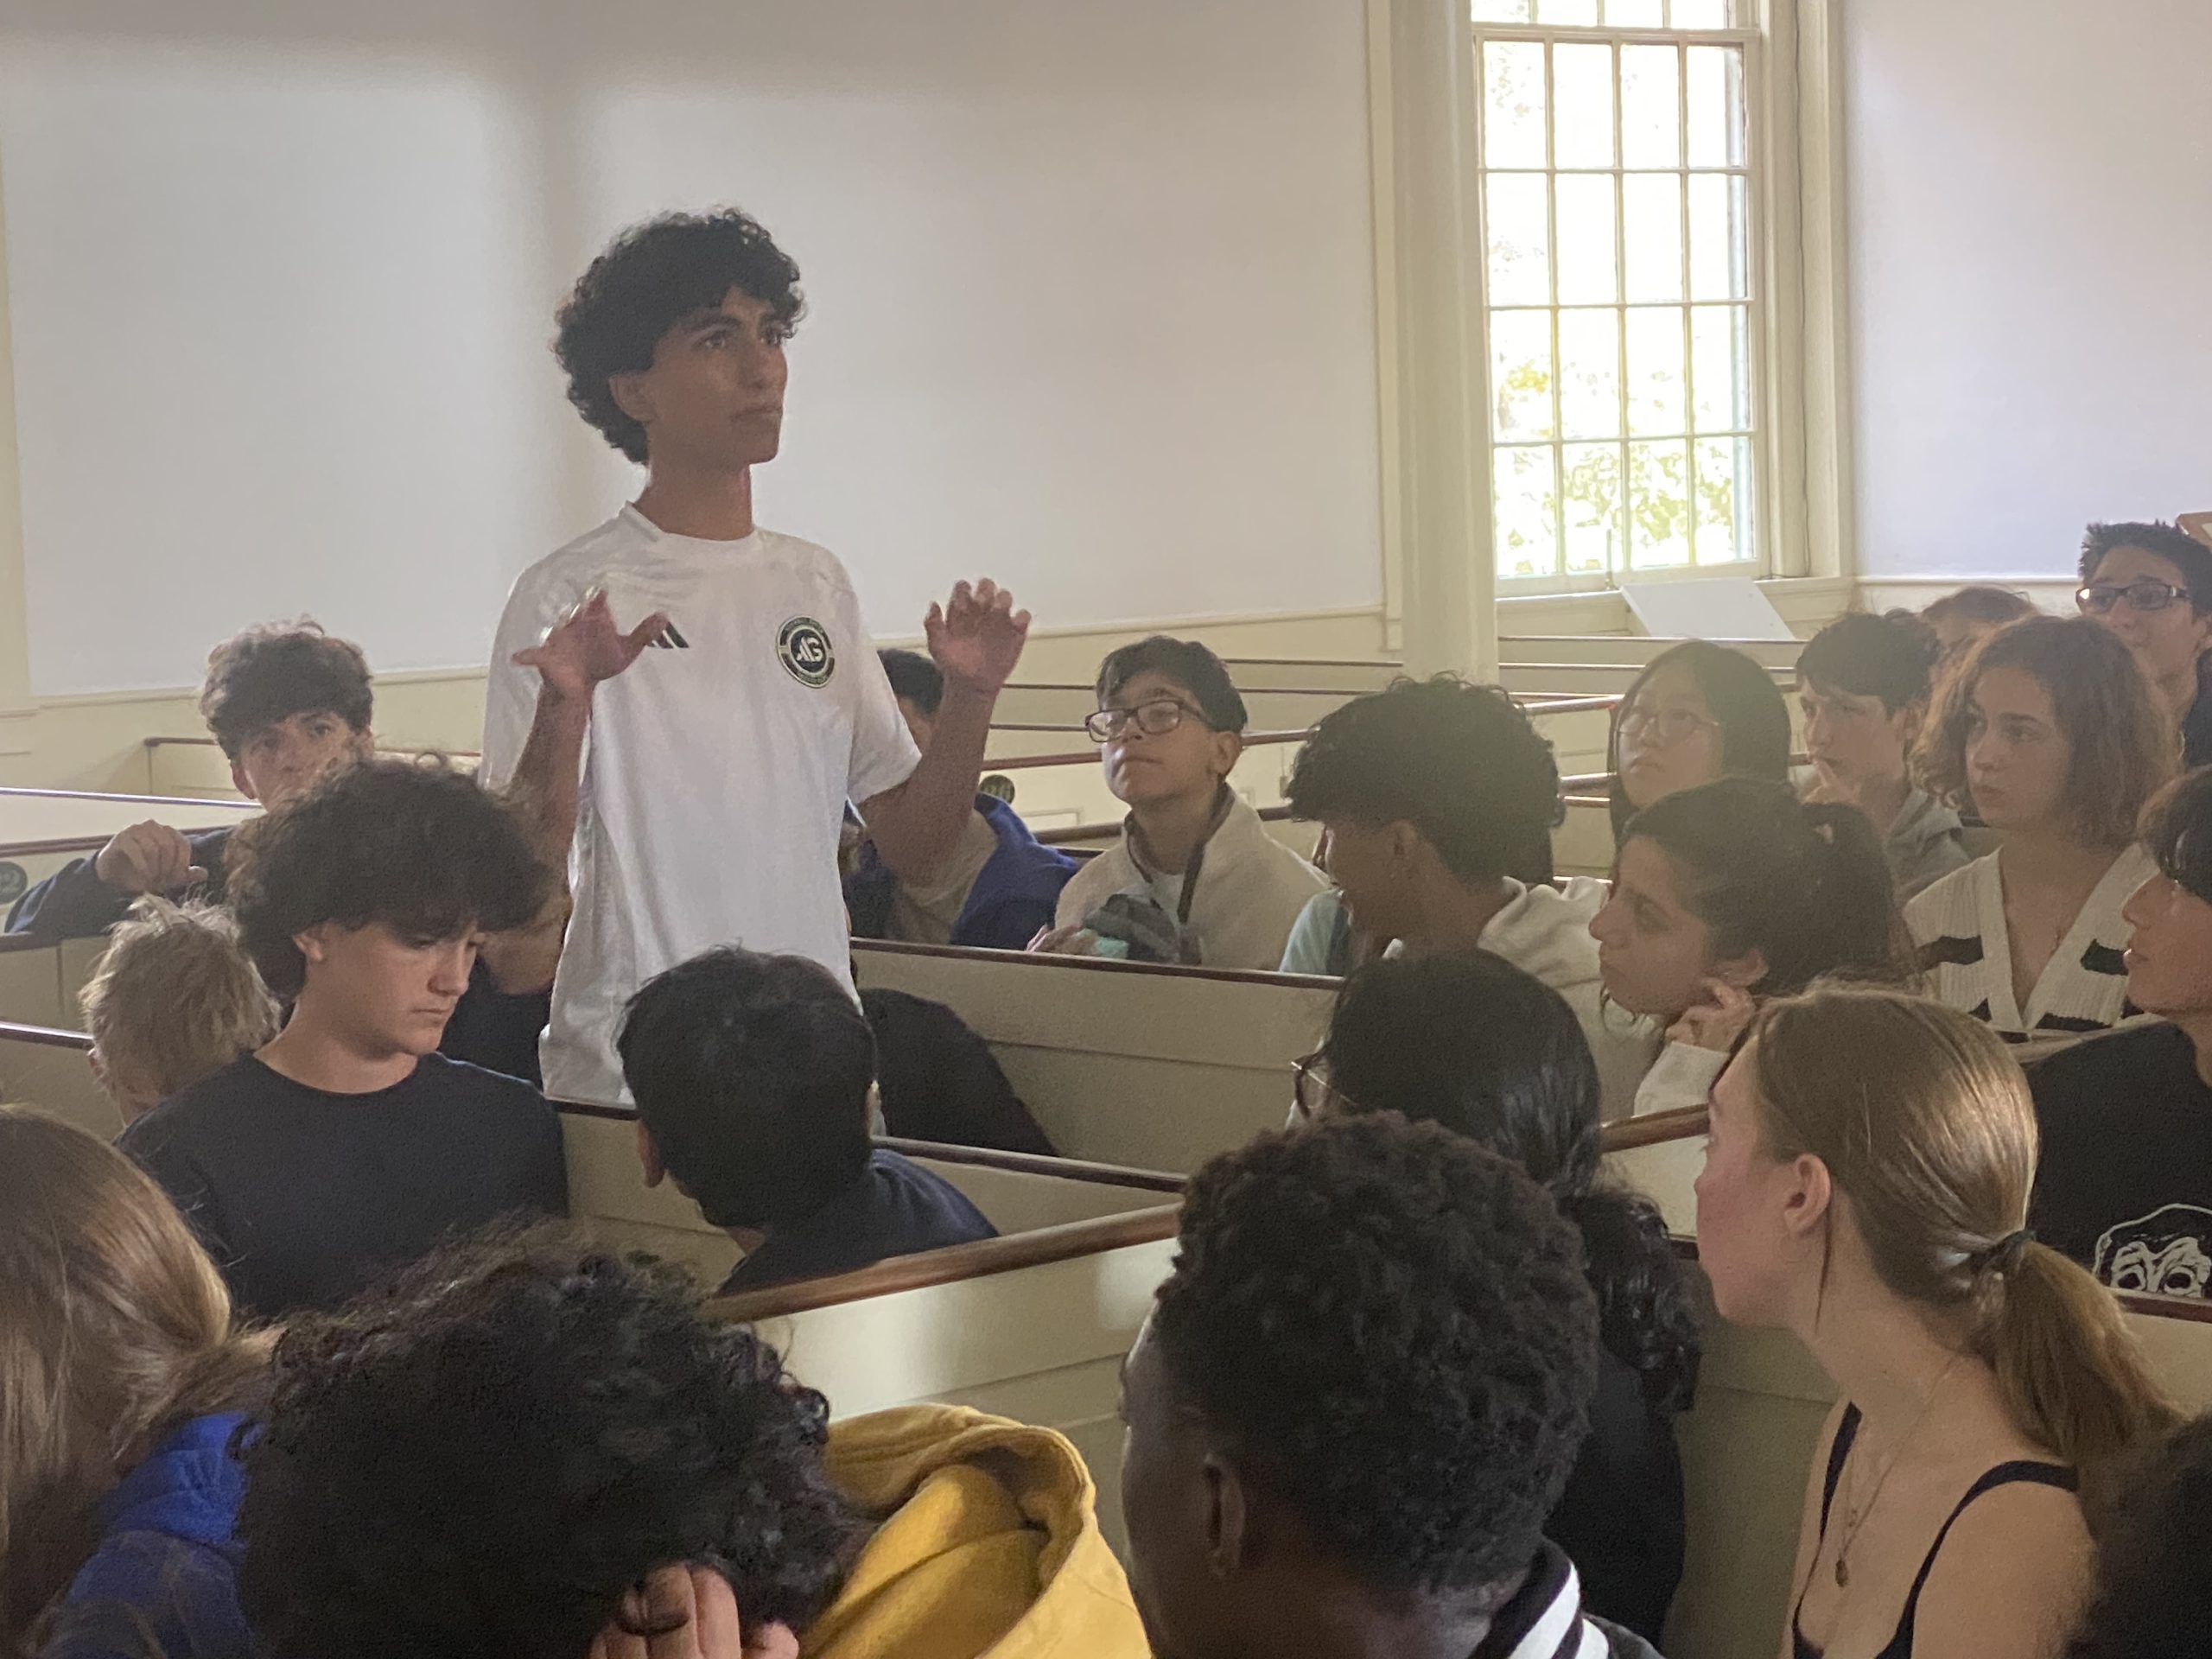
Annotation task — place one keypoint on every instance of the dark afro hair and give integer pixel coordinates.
(481, 1459)
(914, 678)
(1461, 763)
(266, 675)
(653, 276)
(2151, 1517)
(411, 844)
(1394, 1326)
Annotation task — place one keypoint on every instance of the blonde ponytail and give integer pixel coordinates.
(1931, 1133)
(2073, 1375)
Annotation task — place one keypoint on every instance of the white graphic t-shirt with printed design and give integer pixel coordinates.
(716, 769)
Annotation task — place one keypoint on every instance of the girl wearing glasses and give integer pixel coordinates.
(1466, 1039)
(1194, 857)
(2050, 729)
(1698, 712)
(2151, 586)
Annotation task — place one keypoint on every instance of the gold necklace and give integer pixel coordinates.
(1851, 1527)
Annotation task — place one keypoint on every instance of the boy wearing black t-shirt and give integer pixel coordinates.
(2125, 1183)
(348, 1145)
(755, 1078)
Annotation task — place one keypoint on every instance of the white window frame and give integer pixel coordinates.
(1425, 104)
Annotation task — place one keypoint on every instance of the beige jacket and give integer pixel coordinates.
(1247, 895)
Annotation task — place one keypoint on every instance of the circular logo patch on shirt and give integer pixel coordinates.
(803, 649)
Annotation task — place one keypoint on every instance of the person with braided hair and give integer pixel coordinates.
(1729, 893)
(1865, 1189)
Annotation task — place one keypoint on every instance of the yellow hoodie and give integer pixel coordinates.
(986, 1545)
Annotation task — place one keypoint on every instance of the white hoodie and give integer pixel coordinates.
(1545, 932)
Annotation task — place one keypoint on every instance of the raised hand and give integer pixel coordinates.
(695, 1613)
(976, 637)
(1716, 1022)
(585, 648)
(148, 858)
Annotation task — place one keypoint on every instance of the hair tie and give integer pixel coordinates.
(2004, 1255)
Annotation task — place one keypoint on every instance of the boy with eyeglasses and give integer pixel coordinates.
(1193, 856)
(2151, 586)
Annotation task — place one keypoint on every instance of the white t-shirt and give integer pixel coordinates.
(716, 769)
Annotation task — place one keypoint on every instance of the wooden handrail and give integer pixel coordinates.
(1038, 1247)
(385, 749)
(44, 1036)
(1654, 1129)
(1089, 757)
(108, 795)
(1090, 965)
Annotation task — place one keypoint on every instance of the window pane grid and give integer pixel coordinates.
(1671, 483)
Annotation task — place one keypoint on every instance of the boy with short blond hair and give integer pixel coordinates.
(174, 1001)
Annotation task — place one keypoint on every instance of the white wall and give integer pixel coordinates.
(1091, 285)
(2032, 275)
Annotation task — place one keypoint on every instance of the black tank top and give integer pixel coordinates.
(2005, 1474)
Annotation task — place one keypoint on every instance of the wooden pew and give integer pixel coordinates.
(42, 1066)
(1123, 1062)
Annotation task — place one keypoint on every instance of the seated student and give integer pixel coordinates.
(613, 1436)
(937, 1080)
(2153, 1530)
(2050, 728)
(755, 1082)
(1962, 620)
(1212, 886)
(122, 1376)
(999, 889)
(1467, 1041)
(348, 1145)
(1729, 893)
(2151, 586)
(1430, 794)
(2126, 1183)
(1357, 1398)
(1864, 683)
(290, 705)
(1865, 1188)
(1698, 712)
(174, 1001)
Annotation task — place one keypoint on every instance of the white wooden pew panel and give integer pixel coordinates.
(1149, 1068)
(53, 1070)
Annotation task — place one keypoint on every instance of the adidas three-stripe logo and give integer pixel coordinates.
(669, 639)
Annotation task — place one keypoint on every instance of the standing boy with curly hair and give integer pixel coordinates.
(1356, 1400)
(348, 1145)
(718, 769)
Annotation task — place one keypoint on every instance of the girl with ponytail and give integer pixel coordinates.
(1865, 1188)
(1466, 1039)
(1728, 894)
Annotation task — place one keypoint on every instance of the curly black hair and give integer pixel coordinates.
(1466, 1039)
(267, 674)
(480, 1459)
(412, 844)
(651, 279)
(1459, 762)
(1394, 1325)
(2151, 1517)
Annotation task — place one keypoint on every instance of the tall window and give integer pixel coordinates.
(1623, 302)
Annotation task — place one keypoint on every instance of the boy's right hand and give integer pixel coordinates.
(148, 857)
(585, 648)
(694, 1612)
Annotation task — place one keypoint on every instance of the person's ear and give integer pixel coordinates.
(1227, 750)
(241, 782)
(313, 943)
(1228, 1516)
(649, 1155)
(1405, 846)
(1745, 972)
(1811, 1195)
(632, 395)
